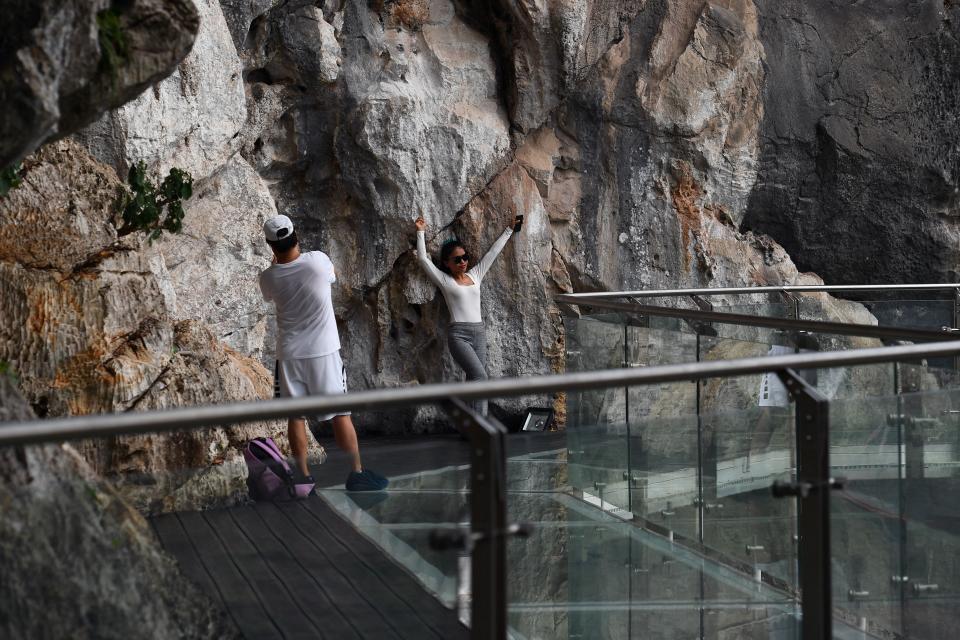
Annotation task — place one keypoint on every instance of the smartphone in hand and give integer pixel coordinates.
(516, 227)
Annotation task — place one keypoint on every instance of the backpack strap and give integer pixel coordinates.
(271, 451)
(269, 447)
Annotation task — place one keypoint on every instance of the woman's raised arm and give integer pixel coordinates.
(425, 262)
(487, 260)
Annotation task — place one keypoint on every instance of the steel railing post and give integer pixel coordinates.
(956, 323)
(956, 308)
(488, 528)
(812, 489)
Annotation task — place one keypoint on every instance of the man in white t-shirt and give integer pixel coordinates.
(308, 345)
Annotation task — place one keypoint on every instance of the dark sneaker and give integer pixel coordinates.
(377, 478)
(362, 481)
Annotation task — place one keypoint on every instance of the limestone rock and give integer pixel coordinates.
(74, 552)
(82, 316)
(858, 171)
(241, 14)
(211, 269)
(639, 138)
(200, 468)
(88, 328)
(56, 76)
(193, 121)
(655, 130)
(549, 46)
(422, 130)
(312, 41)
(190, 120)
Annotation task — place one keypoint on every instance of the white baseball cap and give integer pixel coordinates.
(277, 228)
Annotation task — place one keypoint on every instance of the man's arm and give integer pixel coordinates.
(327, 269)
(264, 289)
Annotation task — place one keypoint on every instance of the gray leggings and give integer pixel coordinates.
(468, 346)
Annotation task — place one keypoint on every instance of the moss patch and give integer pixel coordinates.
(114, 47)
(10, 178)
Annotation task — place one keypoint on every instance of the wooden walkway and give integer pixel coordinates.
(299, 570)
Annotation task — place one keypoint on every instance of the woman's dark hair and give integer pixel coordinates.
(284, 244)
(445, 250)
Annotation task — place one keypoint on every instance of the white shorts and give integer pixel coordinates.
(321, 376)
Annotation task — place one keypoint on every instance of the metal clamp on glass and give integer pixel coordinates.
(462, 539)
(781, 489)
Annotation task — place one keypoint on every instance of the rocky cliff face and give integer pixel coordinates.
(859, 164)
(64, 63)
(89, 328)
(648, 143)
(78, 560)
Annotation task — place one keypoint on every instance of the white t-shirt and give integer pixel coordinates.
(463, 301)
(306, 326)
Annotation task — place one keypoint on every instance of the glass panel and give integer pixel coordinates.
(594, 343)
(747, 452)
(664, 482)
(743, 332)
(930, 314)
(648, 347)
(718, 395)
(926, 314)
(598, 456)
(866, 533)
(854, 383)
(930, 494)
(613, 579)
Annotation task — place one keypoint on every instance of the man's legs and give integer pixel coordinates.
(343, 432)
(324, 375)
(346, 437)
(297, 432)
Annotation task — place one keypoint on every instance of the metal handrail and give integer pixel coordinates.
(769, 322)
(58, 429)
(823, 288)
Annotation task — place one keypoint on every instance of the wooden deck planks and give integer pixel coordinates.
(239, 598)
(299, 570)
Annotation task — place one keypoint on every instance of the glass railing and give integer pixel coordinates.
(587, 566)
(695, 462)
(895, 539)
(651, 515)
(899, 311)
(920, 314)
(931, 314)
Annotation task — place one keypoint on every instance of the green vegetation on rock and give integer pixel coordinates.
(6, 370)
(10, 178)
(154, 209)
(114, 48)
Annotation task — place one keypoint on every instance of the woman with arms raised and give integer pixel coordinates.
(460, 284)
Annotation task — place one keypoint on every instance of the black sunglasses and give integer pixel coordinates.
(461, 258)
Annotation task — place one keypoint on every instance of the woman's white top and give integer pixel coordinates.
(463, 301)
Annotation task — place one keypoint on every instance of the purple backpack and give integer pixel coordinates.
(269, 476)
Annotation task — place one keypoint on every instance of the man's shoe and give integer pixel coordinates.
(363, 481)
(377, 478)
